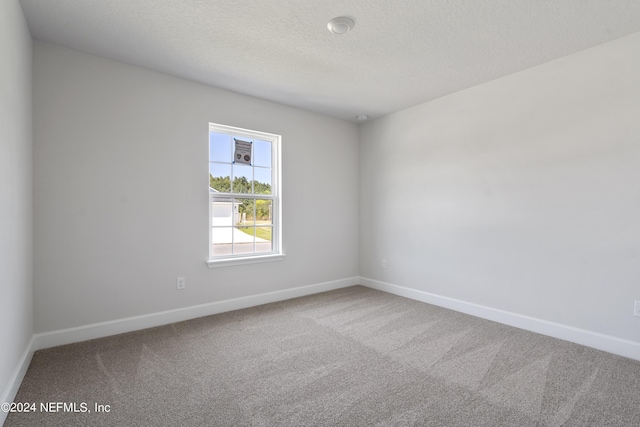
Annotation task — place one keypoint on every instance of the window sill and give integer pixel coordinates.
(228, 262)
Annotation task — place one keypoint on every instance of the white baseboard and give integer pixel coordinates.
(608, 343)
(16, 379)
(119, 326)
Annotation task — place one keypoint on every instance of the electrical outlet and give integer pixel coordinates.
(636, 308)
(181, 283)
(383, 264)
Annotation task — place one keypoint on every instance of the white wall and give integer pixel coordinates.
(522, 194)
(121, 192)
(16, 220)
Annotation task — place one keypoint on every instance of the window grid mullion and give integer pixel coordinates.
(243, 196)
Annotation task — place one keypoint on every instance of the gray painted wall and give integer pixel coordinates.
(522, 194)
(16, 211)
(121, 192)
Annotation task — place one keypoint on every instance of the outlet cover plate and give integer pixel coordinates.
(181, 283)
(636, 308)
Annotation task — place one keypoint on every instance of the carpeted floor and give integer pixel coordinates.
(350, 357)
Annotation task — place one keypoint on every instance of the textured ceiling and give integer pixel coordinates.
(399, 53)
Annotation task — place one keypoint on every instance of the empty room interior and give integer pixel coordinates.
(419, 213)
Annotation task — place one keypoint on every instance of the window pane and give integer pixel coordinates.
(264, 225)
(222, 213)
(220, 177)
(262, 184)
(242, 179)
(249, 233)
(264, 212)
(262, 243)
(246, 212)
(219, 147)
(262, 153)
(243, 240)
(221, 238)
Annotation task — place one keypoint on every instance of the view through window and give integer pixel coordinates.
(243, 192)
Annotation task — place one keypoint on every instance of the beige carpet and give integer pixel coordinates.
(351, 357)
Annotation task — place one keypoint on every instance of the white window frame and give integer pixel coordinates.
(277, 253)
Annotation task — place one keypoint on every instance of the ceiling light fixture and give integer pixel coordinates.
(340, 25)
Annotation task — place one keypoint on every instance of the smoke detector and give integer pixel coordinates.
(340, 25)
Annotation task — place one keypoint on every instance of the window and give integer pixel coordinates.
(244, 196)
